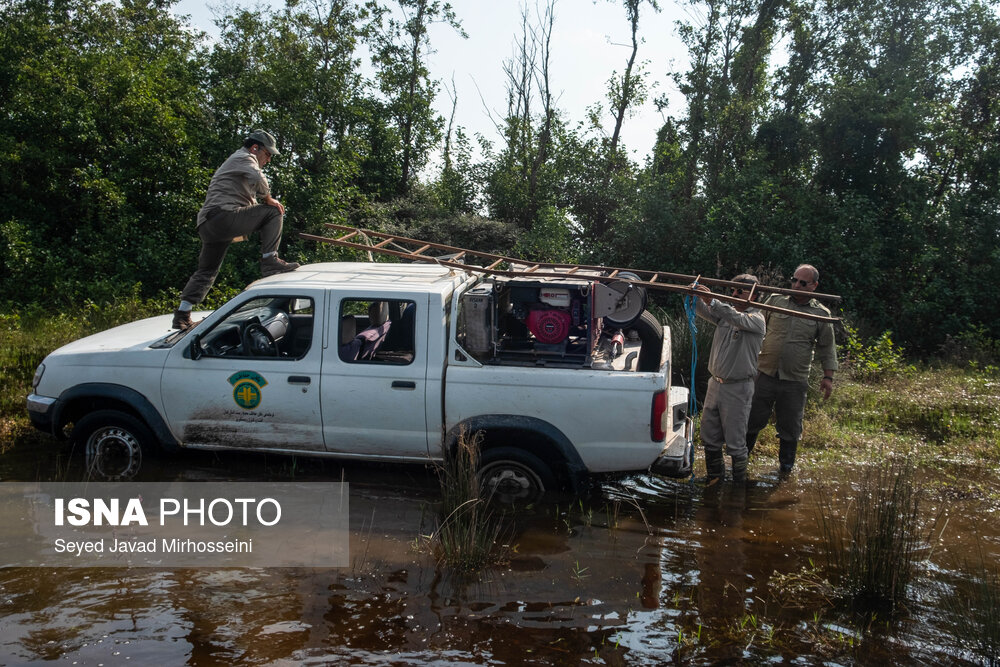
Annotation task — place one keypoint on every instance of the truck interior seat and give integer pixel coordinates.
(400, 338)
(348, 333)
(378, 313)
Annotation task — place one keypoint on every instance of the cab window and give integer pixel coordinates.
(263, 328)
(377, 331)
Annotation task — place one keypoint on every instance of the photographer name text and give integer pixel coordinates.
(164, 545)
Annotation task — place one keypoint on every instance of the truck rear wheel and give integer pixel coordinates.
(113, 443)
(511, 475)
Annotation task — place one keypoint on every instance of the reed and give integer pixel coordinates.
(872, 549)
(469, 535)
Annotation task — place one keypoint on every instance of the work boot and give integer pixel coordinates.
(751, 441)
(786, 455)
(273, 265)
(182, 320)
(715, 467)
(739, 470)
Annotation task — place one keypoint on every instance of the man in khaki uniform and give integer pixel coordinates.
(785, 360)
(232, 211)
(732, 362)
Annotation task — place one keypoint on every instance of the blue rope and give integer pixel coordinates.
(689, 308)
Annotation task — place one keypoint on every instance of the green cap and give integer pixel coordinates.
(265, 139)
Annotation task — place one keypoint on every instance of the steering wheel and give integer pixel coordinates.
(258, 341)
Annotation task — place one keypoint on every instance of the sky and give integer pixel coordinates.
(590, 40)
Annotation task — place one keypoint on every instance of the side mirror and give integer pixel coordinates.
(196, 351)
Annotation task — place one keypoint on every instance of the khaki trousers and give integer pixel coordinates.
(219, 231)
(724, 417)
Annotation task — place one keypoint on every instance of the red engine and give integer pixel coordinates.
(549, 326)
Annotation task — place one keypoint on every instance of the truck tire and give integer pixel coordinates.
(113, 443)
(510, 475)
(651, 334)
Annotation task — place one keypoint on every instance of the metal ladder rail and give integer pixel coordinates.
(603, 271)
(557, 271)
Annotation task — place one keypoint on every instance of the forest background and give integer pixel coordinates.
(860, 136)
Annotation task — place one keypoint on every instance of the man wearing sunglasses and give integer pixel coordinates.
(785, 361)
(231, 212)
(739, 331)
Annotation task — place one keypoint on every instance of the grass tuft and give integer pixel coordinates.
(873, 548)
(470, 535)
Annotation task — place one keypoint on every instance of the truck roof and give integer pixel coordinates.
(388, 275)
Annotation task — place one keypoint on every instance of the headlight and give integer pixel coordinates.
(38, 376)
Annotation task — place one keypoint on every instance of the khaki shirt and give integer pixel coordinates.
(236, 184)
(736, 342)
(790, 341)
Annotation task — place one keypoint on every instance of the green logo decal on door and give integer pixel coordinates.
(247, 387)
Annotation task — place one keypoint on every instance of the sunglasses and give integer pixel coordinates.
(801, 282)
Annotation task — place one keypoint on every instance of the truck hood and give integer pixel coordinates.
(131, 337)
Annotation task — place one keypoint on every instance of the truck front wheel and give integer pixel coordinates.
(113, 444)
(512, 475)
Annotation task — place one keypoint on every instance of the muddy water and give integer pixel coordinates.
(641, 571)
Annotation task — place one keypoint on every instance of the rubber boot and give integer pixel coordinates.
(786, 455)
(715, 467)
(739, 470)
(751, 441)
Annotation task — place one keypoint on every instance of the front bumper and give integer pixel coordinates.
(40, 411)
(677, 458)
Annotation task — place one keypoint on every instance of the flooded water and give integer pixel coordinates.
(643, 570)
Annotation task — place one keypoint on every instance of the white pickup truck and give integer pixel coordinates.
(387, 362)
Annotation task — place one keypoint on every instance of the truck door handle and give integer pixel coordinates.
(299, 379)
(403, 384)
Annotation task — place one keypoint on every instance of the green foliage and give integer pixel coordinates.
(874, 362)
(973, 347)
(422, 215)
(101, 117)
(455, 188)
(864, 155)
(400, 45)
(27, 336)
(548, 240)
(950, 412)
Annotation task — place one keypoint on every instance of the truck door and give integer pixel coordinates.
(250, 379)
(374, 387)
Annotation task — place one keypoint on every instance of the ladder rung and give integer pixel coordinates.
(417, 252)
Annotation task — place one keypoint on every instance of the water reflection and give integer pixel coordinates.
(642, 571)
